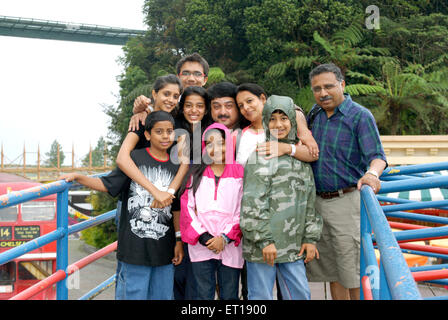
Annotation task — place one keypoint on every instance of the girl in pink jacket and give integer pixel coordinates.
(210, 214)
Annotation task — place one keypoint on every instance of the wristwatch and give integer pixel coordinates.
(373, 173)
(171, 190)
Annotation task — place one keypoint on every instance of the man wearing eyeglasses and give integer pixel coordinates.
(192, 70)
(351, 154)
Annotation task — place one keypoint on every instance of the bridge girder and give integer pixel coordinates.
(66, 31)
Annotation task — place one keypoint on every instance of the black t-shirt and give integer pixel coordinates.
(142, 141)
(146, 235)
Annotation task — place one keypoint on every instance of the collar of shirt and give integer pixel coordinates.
(344, 107)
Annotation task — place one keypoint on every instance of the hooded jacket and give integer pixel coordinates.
(278, 200)
(215, 208)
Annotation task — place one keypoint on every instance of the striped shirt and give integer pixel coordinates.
(348, 141)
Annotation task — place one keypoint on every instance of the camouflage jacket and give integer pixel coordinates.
(278, 201)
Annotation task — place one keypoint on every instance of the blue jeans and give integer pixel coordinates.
(291, 277)
(184, 283)
(205, 273)
(136, 282)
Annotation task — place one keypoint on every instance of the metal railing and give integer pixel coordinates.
(393, 279)
(60, 235)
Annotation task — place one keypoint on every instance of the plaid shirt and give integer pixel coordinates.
(348, 141)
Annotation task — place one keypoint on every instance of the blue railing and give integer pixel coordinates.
(60, 235)
(393, 279)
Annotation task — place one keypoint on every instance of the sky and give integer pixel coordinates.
(55, 90)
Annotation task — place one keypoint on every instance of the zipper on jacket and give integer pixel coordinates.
(216, 188)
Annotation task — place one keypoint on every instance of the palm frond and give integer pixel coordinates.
(277, 70)
(353, 74)
(352, 35)
(303, 62)
(363, 89)
(323, 42)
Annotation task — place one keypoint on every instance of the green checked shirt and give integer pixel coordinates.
(348, 141)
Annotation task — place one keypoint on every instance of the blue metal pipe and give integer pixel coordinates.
(426, 254)
(396, 178)
(443, 282)
(431, 267)
(417, 216)
(62, 243)
(414, 184)
(417, 168)
(421, 233)
(371, 265)
(399, 278)
(92, 222)
(398, 200)
(98, 288)
(415, 205)
(16, 197)
(31, 245)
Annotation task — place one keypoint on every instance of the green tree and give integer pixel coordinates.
(97, 154)
(105, 233)
(407, 100)
(52, 155)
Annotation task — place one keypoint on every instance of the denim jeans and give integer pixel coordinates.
(184, 283)
(291, 278)
(207, 272)
(136, 282)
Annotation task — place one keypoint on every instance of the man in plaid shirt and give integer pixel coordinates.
(351, 155)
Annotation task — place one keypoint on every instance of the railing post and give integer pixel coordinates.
(362, 262)
(62, 243)
(384, 286)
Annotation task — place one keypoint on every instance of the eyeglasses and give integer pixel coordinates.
(327, 87)
(196, 74)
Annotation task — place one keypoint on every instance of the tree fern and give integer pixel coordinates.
(277, 70)
(363, 89)
(351, 36)
(324, 43)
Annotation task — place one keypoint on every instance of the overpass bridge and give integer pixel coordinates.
(66, 31)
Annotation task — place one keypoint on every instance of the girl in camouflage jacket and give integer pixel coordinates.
(278, 219)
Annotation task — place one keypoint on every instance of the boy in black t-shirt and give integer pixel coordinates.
(147, 245)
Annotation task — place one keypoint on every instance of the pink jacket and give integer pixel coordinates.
(215, 209)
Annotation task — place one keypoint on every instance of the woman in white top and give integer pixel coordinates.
(251, 98)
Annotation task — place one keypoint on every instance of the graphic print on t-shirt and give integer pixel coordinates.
(147, 222)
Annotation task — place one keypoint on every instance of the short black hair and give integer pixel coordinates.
(195, 57)
(221, 90)
(327, 67)
(279, 111)
(157, 116)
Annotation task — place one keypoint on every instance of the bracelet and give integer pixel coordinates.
(171, 191)
(293, 150)
(226, 238)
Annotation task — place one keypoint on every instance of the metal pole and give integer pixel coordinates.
(38, 162)
(62, 244)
